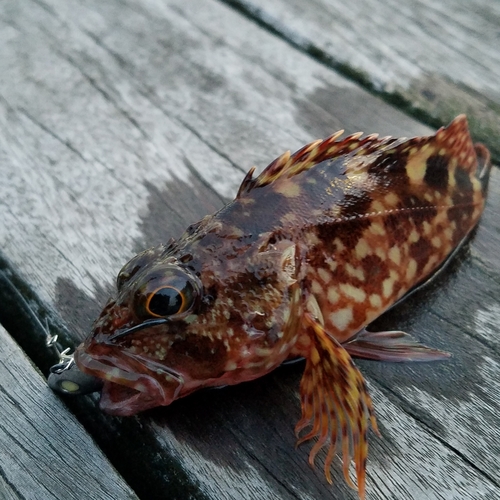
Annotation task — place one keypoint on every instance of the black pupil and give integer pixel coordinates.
(165, 302)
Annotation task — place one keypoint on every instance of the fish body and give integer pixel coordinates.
(307, 255)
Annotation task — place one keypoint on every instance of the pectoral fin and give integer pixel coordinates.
(336, 404)
(394, 346)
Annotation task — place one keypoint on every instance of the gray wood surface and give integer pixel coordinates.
(44, 452)
(440, 58)
(121, 122)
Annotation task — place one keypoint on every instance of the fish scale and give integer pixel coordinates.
(308, 254)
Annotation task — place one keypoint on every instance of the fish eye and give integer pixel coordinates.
(168, 300)
(168, 291)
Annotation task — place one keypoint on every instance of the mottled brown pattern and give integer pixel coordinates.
(437, 172)
(307, 255)
(399, 228)
(390, 169)
(328, 231)
(376, 271)
(204, 357)
(421, 251)
(420, 209)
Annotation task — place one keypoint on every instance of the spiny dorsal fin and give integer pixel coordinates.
(310, 155)
(453, 141)
(426, 158)
(456, 141)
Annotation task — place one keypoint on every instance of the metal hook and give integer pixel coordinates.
(65, 377)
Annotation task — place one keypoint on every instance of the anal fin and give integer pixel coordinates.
(336, 404)
(393, 346)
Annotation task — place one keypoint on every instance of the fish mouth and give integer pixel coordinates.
(127, 390)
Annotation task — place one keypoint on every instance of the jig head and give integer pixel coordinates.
(66, 378)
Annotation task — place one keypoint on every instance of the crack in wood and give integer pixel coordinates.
(107, 96)
(46, 129)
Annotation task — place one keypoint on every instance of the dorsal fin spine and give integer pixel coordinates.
(287, 165)
(247, 182)
(311, 154)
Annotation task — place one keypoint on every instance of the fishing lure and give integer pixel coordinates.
(307, 255)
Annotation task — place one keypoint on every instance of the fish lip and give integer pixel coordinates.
(145, 391)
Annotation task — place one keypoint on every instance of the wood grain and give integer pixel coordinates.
(438, 59)
(44, 451)
(122, 122)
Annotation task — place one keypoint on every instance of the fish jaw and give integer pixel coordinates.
(131, 385)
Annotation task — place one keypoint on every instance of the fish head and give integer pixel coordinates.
(176, 325)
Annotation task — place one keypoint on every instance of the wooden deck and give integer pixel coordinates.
(123, 121)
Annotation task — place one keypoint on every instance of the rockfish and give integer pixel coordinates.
(308, 254)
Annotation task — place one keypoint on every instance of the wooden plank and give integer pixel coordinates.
(148, 102)
(44, 451)
(438, 59)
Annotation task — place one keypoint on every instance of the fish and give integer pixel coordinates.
(298, 265)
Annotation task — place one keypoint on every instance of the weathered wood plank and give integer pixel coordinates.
(44, 451)
(441, 57)
(148, 102)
